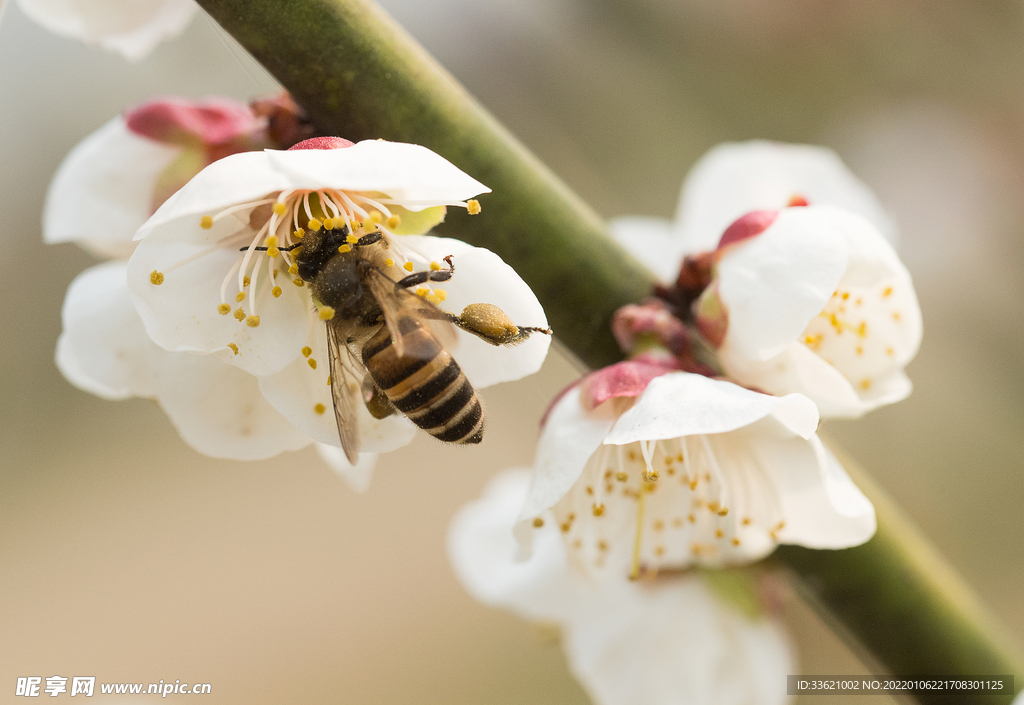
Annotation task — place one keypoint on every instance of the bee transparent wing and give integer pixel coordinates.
(346, 384)
(397, 303)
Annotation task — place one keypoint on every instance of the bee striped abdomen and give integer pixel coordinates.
(426, 383)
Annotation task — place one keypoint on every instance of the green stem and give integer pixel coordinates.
(361, 76)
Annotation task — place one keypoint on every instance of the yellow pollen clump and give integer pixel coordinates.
(434, 266)
(473, 206)
(293, 269)
(307, 351)
(351, 239)
(389, 262)
(298, 282)
(538, 522)
(240, 296)
(156, 278)
(312, 363)
(344, 248)
(239, 315)
(279, 208)
(407, 266)
(598, 510)
(252, 321)
(299, 234)
(326, 313)
(441, 294)
(246, 281)
(271, 241)
(319, 408)
(276, 291)
(376, 217)
(224, 309)
(273, 252)
(315, 225)
(234, 348)
(206, 222)
(393, 222)
(328, 223)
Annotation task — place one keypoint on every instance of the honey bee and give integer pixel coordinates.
(382, 351)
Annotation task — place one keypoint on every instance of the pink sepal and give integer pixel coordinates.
(323, 143)
(749, 225)
(206, 123)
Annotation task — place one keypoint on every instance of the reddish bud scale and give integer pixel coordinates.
(323, 143)
(747, 226)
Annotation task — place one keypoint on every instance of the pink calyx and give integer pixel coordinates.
(323, 143)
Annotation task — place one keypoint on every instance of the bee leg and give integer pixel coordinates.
(441, 275)
(375, 236)
(289, 248)
(490, 323)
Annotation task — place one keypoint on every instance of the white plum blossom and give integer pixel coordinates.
(644, 468)
(114, 179)
(131, 28)
(813, 300)
(199, 291)
(671, 641)
(806, 294)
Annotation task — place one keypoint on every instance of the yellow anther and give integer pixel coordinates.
(422, 291)
(735, 541)
(299, 234)
(621, 476)
(865, 384)
(279, 208)
(809, 339)
(314, 225)
(240, 296)
(312, 363)
(246, 281)
(434, 266)
(846, 295)
(895, 315)
(234, 348)
(239, 315)
(344, 248)
(887, 292)
(432, 298)
(659, 550)
(224, 309)
(307, 351)
(862, 329)
(747, 521)
(723, 511)
(389, 262)
(393, 222)
(271, 241)
(376, 217)
(319, 408)
(566, 527)
(328, 223)
(276, 291)
(598, 509)
(293, 269)
(252, 321)
(692, 519)
(719, 533)
(538, 522)
(273, 252)
(890, 351)
(298, 282)
(651, 475)
(351, 239)
(206, 222)
(659, 525)
(407, 266)
(473, 206)
(326, 313)
(356, 225)
(860, 350)
(602, 545)
(156, 278)
(441, 294)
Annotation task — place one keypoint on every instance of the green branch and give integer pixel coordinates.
(361, 76)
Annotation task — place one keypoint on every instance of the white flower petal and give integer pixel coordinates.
(570, 436)
(682, 404)
(674, 642)
(482, 277)
(181, 313)
(654, 242)
(132, 29)
(357, 476)
(823, 510)
(220, 411)
(773, 284)
(405, 172)
(736, 178)
(301, 393)
(103, 190)
(483, 552)
(103, 347)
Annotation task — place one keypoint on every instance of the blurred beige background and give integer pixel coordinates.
(127, 556)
